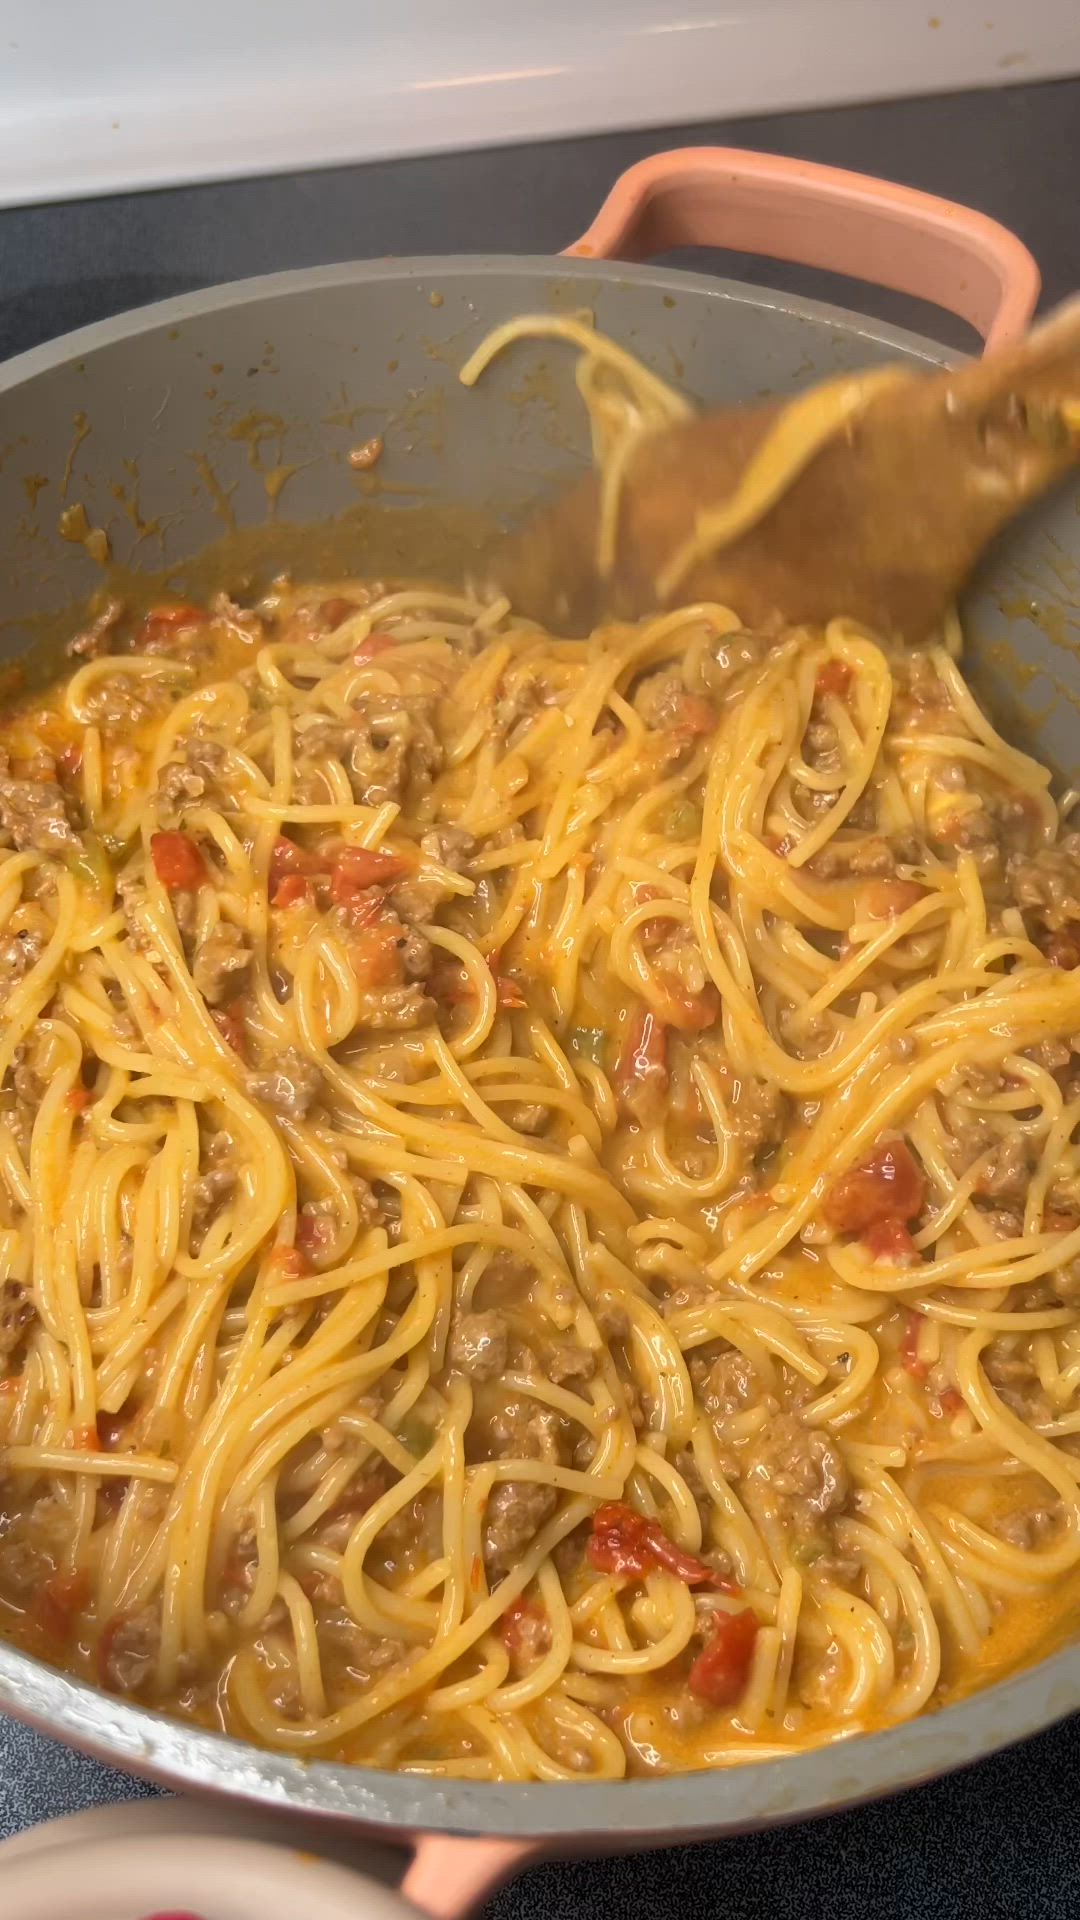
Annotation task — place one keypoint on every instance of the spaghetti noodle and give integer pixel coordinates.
(538, 1195)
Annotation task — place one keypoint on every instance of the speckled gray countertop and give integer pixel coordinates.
(1002, 1839)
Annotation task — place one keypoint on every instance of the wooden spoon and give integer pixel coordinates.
(883, 522)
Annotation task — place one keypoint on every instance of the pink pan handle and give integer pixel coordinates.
(447, 1878)
(821, 217)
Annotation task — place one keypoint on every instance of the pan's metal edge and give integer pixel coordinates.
(729, 1800)
(69, 347)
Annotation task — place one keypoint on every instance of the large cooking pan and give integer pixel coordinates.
(171, 426)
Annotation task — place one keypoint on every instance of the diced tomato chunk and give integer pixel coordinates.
(177, 861)
(157, 628)
(890, 1242)
(833, 676)
(356, 868)
(622, 1541)
(332, 612)
(77, 1100)
(375, 643)
(693, 714)
(641, 1074)
(949, 1402)
(449, 984)
(719, 1673)
(288, 1262)
(287, 857)
(58, 1600)
(886, 899)
(286, 861)
(692, 1012)
(183, 613)
(291, 890)
(368, 907)
(231, 1025)
(374, 954)
(525, 1628)
(886, 1186)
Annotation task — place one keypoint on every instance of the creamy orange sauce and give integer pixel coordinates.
(440, 951)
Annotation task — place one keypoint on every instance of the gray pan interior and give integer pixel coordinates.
(175, 426)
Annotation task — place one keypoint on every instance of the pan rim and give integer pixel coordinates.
(728, 1800)
(21, 368)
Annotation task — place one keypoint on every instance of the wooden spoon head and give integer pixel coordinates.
(883, 524)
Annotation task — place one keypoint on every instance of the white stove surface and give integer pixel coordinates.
(121, 94)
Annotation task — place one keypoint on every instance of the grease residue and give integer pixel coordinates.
(33, 485)
(82, 428)
(1057, 622)
(352, 416)
(538, 398)
(1063, 564)
(423, 417)
(74, 526)
(126, 495)
(220, 497)
(1022, 693)
(256, 431)
(373, 486)
(401, 545)
(1019, 672)
(275, 478)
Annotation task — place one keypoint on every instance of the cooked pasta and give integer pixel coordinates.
(538, 1193)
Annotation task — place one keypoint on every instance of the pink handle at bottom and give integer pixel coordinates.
(822, 217)
(447, 1878)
